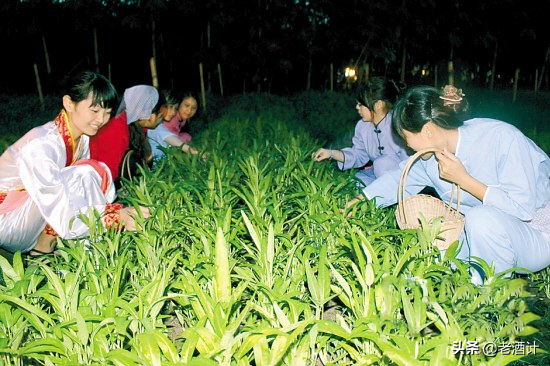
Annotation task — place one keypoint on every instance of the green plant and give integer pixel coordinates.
(248, 259)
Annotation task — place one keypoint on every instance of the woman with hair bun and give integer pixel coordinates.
(504, 177)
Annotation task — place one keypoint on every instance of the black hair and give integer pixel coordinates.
(161, 101)
(378, 88)
(189, 94)
(422, 104)
(139, 150)
(103, 92)
(170, 98)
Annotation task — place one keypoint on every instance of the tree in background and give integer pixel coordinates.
(278, 46)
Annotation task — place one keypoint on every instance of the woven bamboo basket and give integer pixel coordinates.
(409, 209)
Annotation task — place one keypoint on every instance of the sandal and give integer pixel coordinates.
(41, 256)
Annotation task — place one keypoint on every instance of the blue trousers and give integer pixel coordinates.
(504, 240)
(379, 166)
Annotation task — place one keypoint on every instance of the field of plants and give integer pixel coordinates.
(248, 259)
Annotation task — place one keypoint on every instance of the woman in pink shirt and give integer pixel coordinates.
(179, 124)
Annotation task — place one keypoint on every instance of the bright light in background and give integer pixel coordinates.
(350, 73)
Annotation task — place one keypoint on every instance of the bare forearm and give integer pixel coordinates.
(474, 187)
(337, 155)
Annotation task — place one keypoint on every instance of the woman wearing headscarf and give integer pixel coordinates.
(113, 140)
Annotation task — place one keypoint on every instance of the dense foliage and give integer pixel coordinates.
(248, 260)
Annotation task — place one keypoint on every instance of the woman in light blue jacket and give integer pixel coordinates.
(504, 177)
(376, 149)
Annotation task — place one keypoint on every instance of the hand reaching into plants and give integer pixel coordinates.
(352, 202)
(323, 154)
(128, 215)
(193, 151)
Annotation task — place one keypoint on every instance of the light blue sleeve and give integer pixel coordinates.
(518, 164)
(157, 138)
(393, 143)
(384, 189)
(357, 155)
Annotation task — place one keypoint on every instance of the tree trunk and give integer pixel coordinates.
(39, 87)
(493, 68)
(166, 56)
(451, 71)
(331, 77)
(153, 60)
(220, 78)
(310, 53)
(96, 51)
(516, 79)
(154, 76)
(546, 59)
(403, 63)
(208, 44)
(46, 55)
(203, 92)
(309, 71)
(153, 45)
(450, 66)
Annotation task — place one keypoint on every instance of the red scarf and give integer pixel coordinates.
(62, 124)
(9, 201)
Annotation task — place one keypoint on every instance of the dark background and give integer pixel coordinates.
(277, 46)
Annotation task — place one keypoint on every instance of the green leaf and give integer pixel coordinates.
(8, 271)
(148, 349)
(122, 357)
(29, 308)
(43, 346)
(223, 279)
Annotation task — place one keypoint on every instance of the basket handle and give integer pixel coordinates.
(403, 183)
(126, 163)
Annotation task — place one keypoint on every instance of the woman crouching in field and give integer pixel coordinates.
(47, 180)
(161, 136)
(504, 176)
(374, 141)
